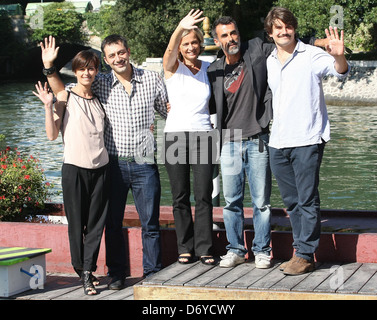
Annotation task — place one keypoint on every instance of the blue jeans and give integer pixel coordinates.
(240, 160)
(144, 181)
(297, 173)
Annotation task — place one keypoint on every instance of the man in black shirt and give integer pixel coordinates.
(241, 99)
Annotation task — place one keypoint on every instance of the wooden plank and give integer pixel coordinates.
(150, 292)
(231, 276)
(370, 287)
(69, 287)
(208, 276)
(189, 274)
(289, 282)
(251, 277)
(268, 280)
(337, 275)
(123, 294)
(318, 276)
(168, 273)
(103, 292)
(357, 280)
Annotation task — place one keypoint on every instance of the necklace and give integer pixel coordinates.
(193, 68)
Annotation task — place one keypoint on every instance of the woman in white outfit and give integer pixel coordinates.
(188, 143)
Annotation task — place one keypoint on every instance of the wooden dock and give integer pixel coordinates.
(330, 281)
(68, 287)
(245, 282)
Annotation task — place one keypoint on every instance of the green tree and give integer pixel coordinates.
(7, 38)
(63, 22)
(249, 15)
(12, 50)
(99, 22)
(359, 19)
(148, 25)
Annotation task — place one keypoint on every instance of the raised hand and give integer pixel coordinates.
(43, 94)
(335, 45)
(189, 22)
(49, 51)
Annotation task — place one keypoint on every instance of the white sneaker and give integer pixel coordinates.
(231, 260)
(262, 261)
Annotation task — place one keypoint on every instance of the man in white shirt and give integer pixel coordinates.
(300, 127)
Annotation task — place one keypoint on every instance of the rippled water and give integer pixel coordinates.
(348, 172)
(22, 123)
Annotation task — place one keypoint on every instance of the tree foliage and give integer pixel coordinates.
(6, 35)
(63, 22)
(148, 25)
(359, 19)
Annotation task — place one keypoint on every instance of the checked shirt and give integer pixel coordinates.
(129, 117)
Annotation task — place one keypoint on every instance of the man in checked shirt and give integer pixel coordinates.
(130, 97)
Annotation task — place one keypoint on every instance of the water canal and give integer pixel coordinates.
(348, 173)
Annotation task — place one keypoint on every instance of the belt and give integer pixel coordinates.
(127, 159)
(256, 136)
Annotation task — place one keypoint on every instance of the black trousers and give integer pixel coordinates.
(185, 151)
(85, 196)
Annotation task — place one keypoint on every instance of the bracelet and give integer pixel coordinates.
(48, 71)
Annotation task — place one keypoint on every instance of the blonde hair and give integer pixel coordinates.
(199, 36)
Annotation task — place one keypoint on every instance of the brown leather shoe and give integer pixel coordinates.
(297, 266)
(285, 264)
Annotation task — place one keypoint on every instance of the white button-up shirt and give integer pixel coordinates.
(299, 110)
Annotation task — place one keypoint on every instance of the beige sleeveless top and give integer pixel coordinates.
(83, 133)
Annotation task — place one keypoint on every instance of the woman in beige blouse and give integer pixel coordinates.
(80, 117)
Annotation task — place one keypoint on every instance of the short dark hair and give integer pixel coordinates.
(282, 14)
(85, 58)
(223, 20)
(113, 38)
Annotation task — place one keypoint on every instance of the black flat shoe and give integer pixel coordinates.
(208, 260)
(116, 283)
(186, 258)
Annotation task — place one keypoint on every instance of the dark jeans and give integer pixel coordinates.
(297, 173)
(85, 195)
(144, 181)
(185, 151)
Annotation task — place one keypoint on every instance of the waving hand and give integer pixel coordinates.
(49, 51)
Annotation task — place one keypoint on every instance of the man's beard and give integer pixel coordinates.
(234, 49)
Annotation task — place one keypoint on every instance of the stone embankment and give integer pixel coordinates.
(358, 88)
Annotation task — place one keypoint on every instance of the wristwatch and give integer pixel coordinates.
(48, 71)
